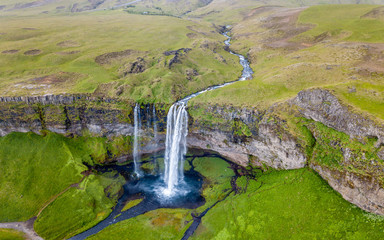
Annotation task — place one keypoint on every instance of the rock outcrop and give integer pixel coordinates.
(259, 142)
(365, 192)
(322, 106)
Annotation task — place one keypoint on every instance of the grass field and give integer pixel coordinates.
(354, 26)
(286, 63)
(54, 54)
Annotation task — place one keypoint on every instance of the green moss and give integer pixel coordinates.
(332, 146)
(217, 175)
(131, 204)
(240, 129)
(295, 204)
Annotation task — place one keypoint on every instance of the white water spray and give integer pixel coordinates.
(175, 146)
(154, 122)
(136, 144)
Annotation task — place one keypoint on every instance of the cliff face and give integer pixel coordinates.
(246, 136)
(365, 192)
(76, 115)
(349, 149)
(322, 106)
(344, 147)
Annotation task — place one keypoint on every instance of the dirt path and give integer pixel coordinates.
(26, 227)
(58, 195)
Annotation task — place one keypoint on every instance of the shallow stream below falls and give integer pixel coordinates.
(151, 186)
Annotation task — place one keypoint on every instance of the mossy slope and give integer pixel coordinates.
(294, 204)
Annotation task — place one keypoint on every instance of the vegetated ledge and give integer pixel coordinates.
(313, 129)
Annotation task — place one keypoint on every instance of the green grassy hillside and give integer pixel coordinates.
(113, 53)
(37, 168)
(339, 47)
(294, 204)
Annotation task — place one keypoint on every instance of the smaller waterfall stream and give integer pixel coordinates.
(154, 122)
(136, 143)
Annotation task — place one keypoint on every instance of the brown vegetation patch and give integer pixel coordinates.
(377, 13)
(11, 51)
(260, 10)
(93, 5)
(33, 52)
(37, 3)
(373, 60)
(191, 35)
(27, 28)
(207, 14)
(107, 58)
(68, 44)
(56, 78)
(282, 26)
(197, 30)
(67, 53)
(166, 219)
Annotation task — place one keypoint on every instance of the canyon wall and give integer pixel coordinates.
(344, 147)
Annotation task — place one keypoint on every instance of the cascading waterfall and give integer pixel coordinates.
(136, 144)
(177, 129)
(148, 118)
(154, 121)
(175, 146)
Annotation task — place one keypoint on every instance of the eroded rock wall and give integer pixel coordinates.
(245, 136)
(322, 106)
(357, 173)
(365, 192)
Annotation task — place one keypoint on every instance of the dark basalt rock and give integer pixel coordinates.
(138, 66)
(177, 55)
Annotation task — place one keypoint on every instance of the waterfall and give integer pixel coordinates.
(177, 129)
(175, 146)
(136, 144)
(154, 122)
(148, 118)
